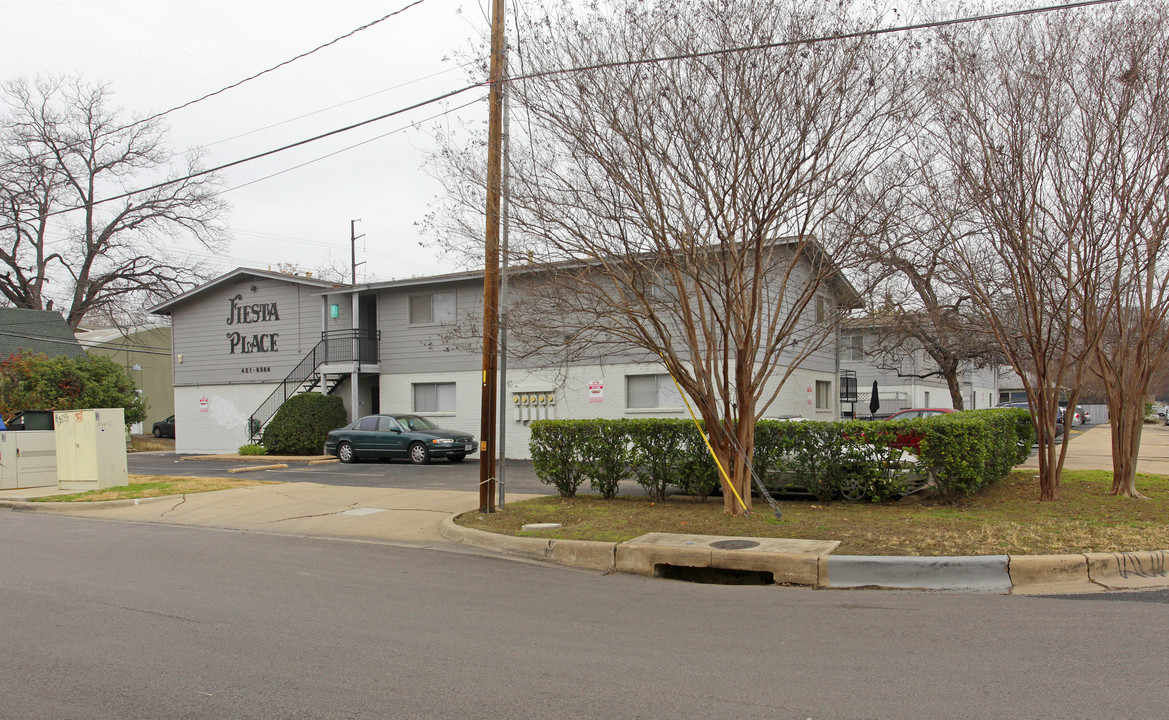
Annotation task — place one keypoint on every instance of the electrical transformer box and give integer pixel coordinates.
(91, 449)
(28, 458)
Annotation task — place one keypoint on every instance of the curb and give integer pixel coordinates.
(252, 468)
(999, 574)
(980, 573)
(270, 459)
(585, 554)
(25, 506)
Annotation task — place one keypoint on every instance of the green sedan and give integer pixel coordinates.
(402, 436)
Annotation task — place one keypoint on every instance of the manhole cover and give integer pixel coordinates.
(734, 544)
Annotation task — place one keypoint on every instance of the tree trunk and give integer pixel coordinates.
(951, 374)
(1049, 449)
(1126, 443)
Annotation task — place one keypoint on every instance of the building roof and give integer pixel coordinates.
(36, 331)
(849, 295)
(164, 308)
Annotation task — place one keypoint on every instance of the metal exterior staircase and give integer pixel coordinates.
(336, 346)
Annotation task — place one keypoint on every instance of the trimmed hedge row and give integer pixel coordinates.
(958, 452)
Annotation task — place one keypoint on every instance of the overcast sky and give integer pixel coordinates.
(158, 54)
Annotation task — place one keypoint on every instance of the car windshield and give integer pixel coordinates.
(413, 422)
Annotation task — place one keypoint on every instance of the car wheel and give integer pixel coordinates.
(854, 488)
(157, 432)
(419, 455)
(345, 453)
(456, 458)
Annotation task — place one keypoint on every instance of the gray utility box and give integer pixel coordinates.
(91, 449)
(28, 458)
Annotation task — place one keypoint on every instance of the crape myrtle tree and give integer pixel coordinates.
(905, 223)
(1055, 164)
(684, 211)
(1121, 103)
(63, 146)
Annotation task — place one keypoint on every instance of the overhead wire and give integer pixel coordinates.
(587, 68)
(236, 84)
(84, 344)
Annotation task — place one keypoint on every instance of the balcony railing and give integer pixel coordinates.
(350, 346)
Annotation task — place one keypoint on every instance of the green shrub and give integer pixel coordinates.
(658, 448)
(302, 422)
(697, 472)
(556, 456)
(960, 452)
(253, 450)
(604, 455)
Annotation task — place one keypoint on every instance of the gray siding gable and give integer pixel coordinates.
(250, 330)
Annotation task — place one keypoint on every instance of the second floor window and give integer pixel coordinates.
(432, 308)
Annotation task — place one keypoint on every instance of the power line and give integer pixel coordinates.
(811, 41)
(340, 104)
(261, 155)
(277, 66)
(106, 345)
(346, 149)
(597, 66)
(236, 84)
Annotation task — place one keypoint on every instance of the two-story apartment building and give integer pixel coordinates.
(247, 340)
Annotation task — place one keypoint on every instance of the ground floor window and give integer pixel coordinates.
(434, 397)
(644, 392)
(823, 395)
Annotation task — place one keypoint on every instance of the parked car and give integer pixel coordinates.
(919, 413)
(164, 428)
(404, 436)
(1027, 406)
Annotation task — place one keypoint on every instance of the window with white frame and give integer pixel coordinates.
(823, 395)
(853, 348)
(643, 392)
(434, 397)
(432, 308)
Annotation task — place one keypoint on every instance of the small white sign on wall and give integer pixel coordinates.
(596, 391)
(203, 403)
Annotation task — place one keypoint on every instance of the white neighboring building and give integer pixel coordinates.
(913, 383)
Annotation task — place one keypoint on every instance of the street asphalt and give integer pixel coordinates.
(399, 503)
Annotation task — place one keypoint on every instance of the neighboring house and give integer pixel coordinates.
(36, 331)
(246, 341)
(145, 353)
(907, 380)
(234, 340)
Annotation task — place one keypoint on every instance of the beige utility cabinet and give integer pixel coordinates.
(28, 458)
(91, 449)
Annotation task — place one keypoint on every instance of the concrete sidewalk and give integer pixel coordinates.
(1092, 450)
(303, 509)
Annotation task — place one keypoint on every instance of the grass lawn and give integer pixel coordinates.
(1006, 518)
(143, 486)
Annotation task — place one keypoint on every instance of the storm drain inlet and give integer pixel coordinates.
(714, 576)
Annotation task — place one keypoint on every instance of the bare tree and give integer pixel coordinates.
(1121, 91)
(62, 148)
(906, 221)
(683, 211)
(1018, 129)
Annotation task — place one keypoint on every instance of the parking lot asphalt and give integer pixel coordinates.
(438, 475)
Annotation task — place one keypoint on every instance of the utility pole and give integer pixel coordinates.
(504, 406)
(353, 249)
(487, 423)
